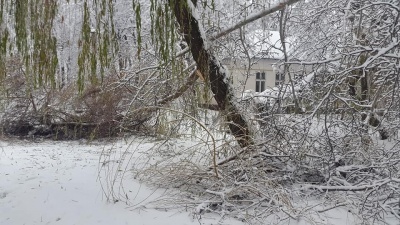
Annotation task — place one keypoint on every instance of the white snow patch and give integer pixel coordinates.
(59, 183)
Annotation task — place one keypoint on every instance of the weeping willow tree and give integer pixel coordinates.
(174, 25)
(200, 46)
(97, 43)
(34, 42)
(28, 31)
(41, 41)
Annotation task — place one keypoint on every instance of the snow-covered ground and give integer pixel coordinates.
(62, 183)
(75, 182)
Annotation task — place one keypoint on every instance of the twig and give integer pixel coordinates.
(332, 207)
(349, 188)
(214, 152)
(275, 8)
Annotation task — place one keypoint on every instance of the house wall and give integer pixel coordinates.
(244, 79)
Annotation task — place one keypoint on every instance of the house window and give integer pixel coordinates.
(279, 79)
(260, 81)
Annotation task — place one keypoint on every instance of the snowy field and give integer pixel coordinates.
(60, 183)
(71, 183)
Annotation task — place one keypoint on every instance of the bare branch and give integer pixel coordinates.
(275, 8)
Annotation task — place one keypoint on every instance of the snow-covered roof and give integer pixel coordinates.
(267, 43)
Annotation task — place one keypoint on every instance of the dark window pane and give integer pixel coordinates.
(257, 86)
(279, 77)
(263, 75)
(258, 75)
(262, 86)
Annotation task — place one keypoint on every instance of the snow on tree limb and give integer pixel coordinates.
(376, 184)
(211, 68)
(279, 6)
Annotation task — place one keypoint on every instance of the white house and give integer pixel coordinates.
(265, 70)
(262, 74)
(264, 80)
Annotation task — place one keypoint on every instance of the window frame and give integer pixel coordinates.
(260, 81)
(279, 78)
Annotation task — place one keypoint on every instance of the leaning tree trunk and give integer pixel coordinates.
(212, 70)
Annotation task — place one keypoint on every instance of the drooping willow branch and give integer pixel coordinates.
(214, 148)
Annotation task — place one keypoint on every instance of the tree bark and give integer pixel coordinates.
(212, 70)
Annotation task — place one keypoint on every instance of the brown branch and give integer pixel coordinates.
(250, 19)
(190, 81)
